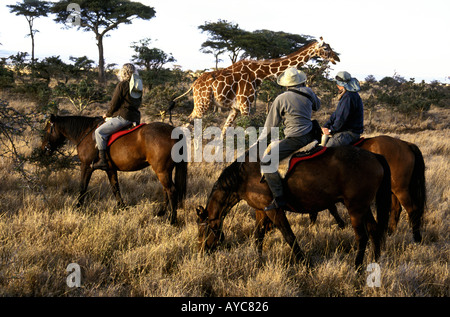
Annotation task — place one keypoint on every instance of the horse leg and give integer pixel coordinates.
(263, 225)
(114, 182)
(375, 236)
(406, 201)
(313, 217)
(278, 217)
(358, 224)
(163, 208)
(333, 211)
(169, 187)
(396, 209)
(86, 173)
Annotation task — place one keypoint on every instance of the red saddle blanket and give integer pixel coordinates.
(121, 133)
(358, 142)
(318, 150)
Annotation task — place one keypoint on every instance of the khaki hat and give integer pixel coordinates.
(291, 77)
(344, 79)
(135, 86)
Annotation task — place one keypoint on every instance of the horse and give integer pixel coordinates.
(149, 145)
(407, 179)
(344, 174)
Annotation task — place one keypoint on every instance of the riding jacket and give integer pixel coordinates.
(296, 110)
(349, 114)
(122, 104)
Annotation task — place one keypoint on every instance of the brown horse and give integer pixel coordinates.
(151, 145)
(407, 180)
(346, 174)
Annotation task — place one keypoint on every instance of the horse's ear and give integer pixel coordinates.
(202, 213)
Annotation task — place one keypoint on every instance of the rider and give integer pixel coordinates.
(347, 123)
(123, 110)
(295, 106)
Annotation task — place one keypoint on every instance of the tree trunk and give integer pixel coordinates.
(101, 60)
(30, 23)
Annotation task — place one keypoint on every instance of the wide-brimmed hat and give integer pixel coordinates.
(291, 77)
(135, 86)
(344, 79)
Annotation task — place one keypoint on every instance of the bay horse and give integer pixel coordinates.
(149, 145)
(345, 174)
(407, 179)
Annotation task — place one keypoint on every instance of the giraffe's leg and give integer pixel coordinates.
(230, 120)
(202, 100)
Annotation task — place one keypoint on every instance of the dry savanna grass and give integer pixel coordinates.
(131, 252)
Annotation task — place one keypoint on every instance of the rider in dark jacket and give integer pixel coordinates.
(123, 110)
(346, 124)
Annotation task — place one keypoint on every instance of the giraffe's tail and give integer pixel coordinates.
(172, 104)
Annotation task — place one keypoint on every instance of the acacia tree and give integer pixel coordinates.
(266, 44)
(100, 17)
(31, 10)
(150, 58)
(223, 37)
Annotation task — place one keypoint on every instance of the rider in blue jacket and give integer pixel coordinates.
(346, 124)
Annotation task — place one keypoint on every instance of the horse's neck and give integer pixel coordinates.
(75, 135)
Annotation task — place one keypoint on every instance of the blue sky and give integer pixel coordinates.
(411, 38)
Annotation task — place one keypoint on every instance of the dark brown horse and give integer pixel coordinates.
(151, 145)
(346, 174)
(407, 180)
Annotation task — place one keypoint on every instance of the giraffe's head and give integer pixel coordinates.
(323, 50)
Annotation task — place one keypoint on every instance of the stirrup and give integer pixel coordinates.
(277, 203)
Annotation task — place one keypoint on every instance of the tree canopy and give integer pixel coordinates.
(102, 16)
(31, 10)
(227, 37)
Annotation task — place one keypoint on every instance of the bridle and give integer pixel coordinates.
(209, 230)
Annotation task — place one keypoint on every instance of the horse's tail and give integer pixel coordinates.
(383, 198)
(417, 188)
(181, 181)
(181, 171)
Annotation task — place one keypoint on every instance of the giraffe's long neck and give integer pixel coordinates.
(277, 66)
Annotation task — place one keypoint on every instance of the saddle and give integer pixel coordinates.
(124, 131)
(121, 133)
(307, 152)
(358, 142)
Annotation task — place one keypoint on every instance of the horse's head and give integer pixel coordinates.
(323, 50)
(223, 197)
(52, 137)
(209, 232)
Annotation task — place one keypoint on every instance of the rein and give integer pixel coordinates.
(89, 132)
(216, 232)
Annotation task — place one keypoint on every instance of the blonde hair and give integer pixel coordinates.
(127, 71)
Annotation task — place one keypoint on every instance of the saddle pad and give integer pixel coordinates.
(298, 157)
(304, 153)
(121, 133)
(358, 142)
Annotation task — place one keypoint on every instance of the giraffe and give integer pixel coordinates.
(235, 87)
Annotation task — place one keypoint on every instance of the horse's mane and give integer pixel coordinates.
(230, 178)
(76, 126)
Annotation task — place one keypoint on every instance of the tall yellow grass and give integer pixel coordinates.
(132, 252)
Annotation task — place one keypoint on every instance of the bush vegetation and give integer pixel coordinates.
(131, 252)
